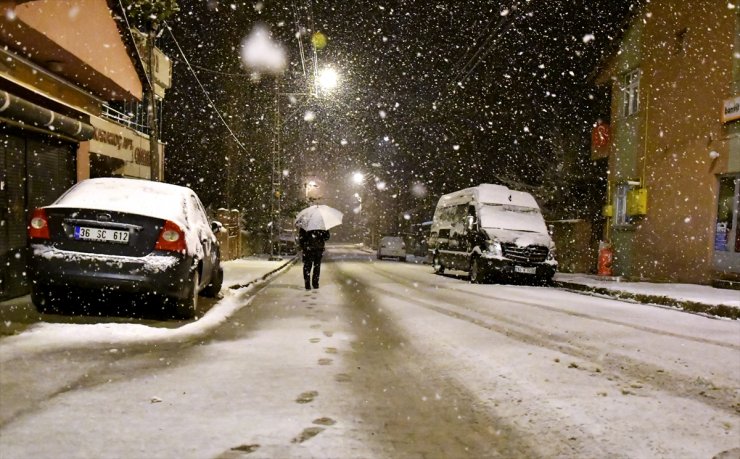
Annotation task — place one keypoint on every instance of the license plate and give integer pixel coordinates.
(525, 270)
(85, 233)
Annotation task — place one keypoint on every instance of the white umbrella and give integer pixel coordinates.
(318, 217)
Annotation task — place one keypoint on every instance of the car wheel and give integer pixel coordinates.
(212, 289)
(437, 265)
(185, 307)
(46, 300)
(476, 276)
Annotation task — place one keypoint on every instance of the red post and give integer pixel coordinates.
(606, 257)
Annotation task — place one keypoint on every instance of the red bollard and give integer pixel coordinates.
(606, 257)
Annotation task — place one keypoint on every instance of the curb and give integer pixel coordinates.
(264, 276)
(719, 310)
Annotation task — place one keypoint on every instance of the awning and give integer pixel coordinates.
(23, 111)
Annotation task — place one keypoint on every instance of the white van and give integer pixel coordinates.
(492, 231)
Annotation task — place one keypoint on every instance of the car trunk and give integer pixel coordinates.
(80, 230)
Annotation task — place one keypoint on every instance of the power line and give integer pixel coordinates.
(489, 44)
(217, 72)
(299, 37)
(455, 70)
(210, 101)
(141, 59)
(485, 53)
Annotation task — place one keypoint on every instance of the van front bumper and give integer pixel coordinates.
(510, 268)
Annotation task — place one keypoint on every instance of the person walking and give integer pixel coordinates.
(312, 245)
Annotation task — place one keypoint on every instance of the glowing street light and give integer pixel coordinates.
(358, 178)
(328, 79)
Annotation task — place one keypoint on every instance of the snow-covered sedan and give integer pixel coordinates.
(124, 235)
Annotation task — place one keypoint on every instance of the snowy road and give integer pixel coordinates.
(385, 360)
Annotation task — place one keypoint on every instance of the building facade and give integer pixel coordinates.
(674, 143)
(72, 86)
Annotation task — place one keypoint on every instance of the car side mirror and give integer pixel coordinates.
(470, 222)
(217, 227)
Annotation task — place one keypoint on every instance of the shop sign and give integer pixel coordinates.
(731, 109)
(117, 141)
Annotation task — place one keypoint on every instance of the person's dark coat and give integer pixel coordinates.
(313, 240)
(312, 245)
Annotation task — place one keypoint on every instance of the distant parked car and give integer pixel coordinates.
(124, 235)
(392, 247)
(286, 242)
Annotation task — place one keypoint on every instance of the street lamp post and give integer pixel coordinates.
(327, 81)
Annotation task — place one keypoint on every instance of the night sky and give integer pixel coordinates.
(434, 96)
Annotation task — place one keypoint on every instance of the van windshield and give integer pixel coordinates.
(510, 217)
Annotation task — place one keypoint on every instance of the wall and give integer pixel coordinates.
(687, 61)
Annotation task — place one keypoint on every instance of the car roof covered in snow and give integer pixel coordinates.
(134, 196)
(487, 193)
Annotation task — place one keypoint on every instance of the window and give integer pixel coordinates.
(620, 205)
(630, 92)
(726, 235)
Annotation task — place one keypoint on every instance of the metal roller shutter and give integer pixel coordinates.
(35, 171)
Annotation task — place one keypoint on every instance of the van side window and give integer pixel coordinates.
(444, 233)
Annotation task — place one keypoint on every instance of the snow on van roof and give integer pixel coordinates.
(487, 193)
(135, 196)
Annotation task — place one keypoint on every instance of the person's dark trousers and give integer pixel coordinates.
(312, 262)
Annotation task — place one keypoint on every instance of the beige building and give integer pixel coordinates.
(674, 143)
(72, 89)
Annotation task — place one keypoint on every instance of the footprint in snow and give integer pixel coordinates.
(307, 434)
(307, 397)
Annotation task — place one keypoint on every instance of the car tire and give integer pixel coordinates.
(437, 265)
(212, 289)
(476, 275)
(185, 308)
(45, 300)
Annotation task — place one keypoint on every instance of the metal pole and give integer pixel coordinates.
(152, 111)
(274, 203)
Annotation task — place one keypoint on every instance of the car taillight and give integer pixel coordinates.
(171, 238)
(39, 226)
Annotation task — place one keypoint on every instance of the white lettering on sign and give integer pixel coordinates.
(111, 138)
(116, 141)
(731, 109)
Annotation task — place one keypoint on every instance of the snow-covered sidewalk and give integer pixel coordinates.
(240, 278)
(689, 297)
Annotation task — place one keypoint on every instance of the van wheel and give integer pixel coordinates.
(437, 265)
(476, 276)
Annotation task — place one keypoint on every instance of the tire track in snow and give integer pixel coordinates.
(619, 366)
(407, 402)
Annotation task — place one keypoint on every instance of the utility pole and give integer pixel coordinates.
(150, 14)
(154, 159)
(276, 175)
